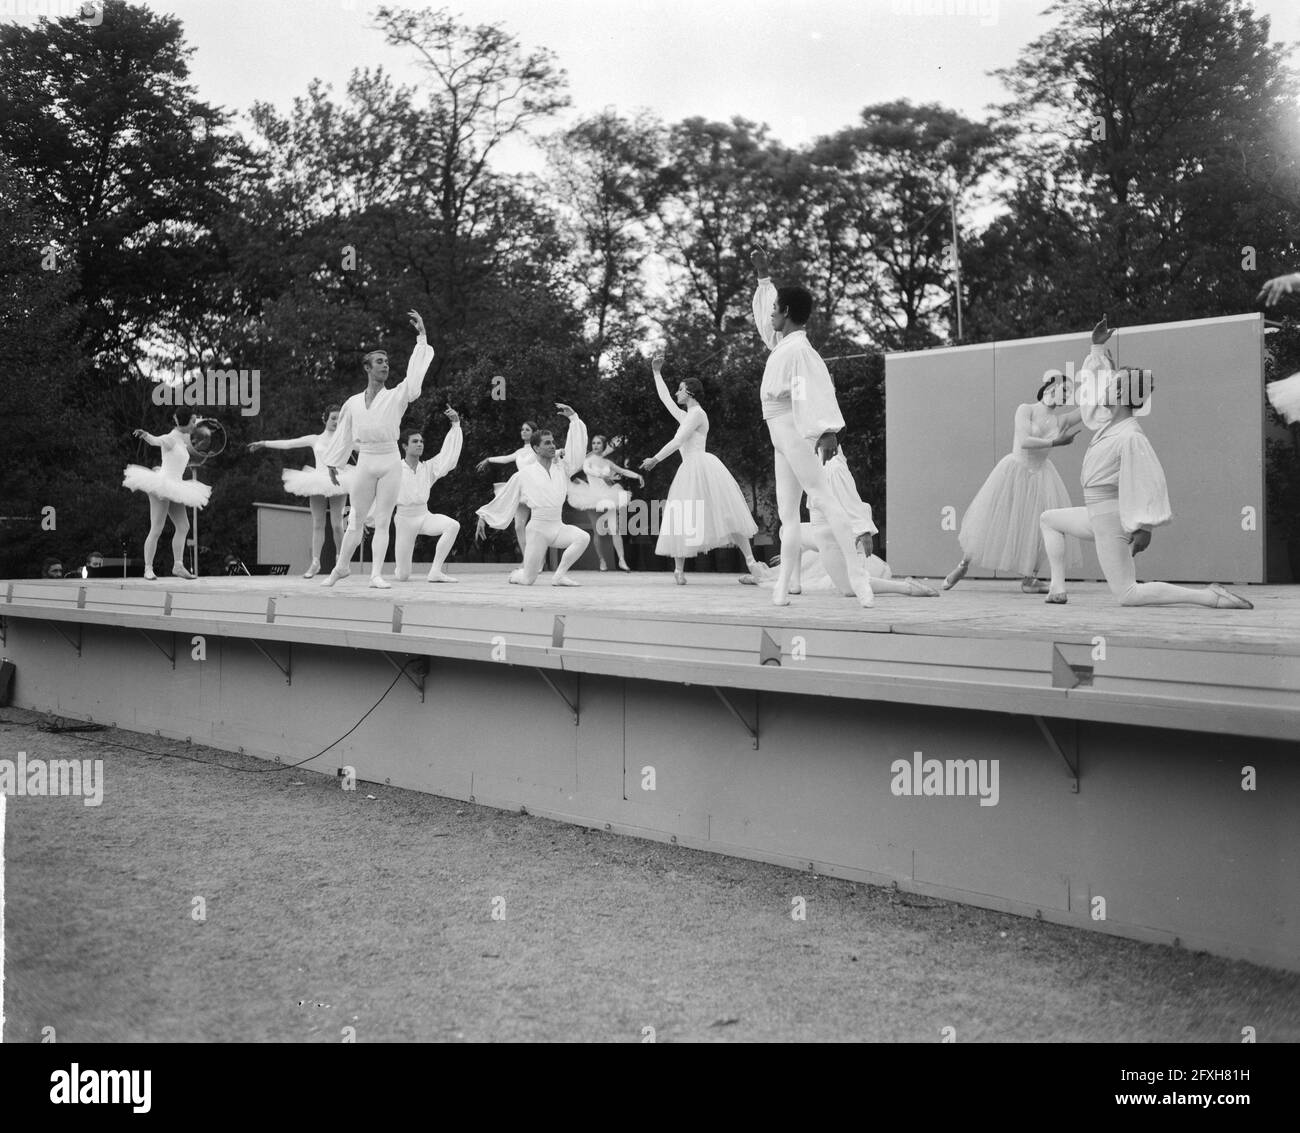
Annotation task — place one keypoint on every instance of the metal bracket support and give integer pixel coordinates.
(286, 668)
(1072, 745)
(753, 731)
(421, 668)
(75, 644)
(150, 639)
(572, 705)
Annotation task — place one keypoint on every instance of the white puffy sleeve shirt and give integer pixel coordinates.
(795, 373)
(374, 428)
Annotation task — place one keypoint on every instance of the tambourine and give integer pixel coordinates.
(208, 439)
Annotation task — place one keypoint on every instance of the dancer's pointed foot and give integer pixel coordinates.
(439, 576)
(1225, 599)
(759, 572)
(917, 589)
(1056, 599)
(313, 570)
(149, 574)
(780, 597)
(604, 565)
(956, 575)
(564, 580)
(625, 568)
(379, 582)
(180, 572)
(1034, 586)
(747, 580)
(338, 574)
(679, 577)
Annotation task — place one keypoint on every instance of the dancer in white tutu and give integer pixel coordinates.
(1283, 395)
(705, 507)
(603, 498)
(1124, 491)
(168, 491)
(413, 515)
(369, 423)
(521, 458)
(324, 497)
(1000, 528)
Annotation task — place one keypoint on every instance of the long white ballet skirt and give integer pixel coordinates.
(600, 492)
(1284, 396)
(1000, 528)
(316, 481)
(168, 482)
(705, 507)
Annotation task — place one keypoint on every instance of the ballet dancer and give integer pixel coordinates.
(1283, 395)
(543, 486)
(168, 491)
(369, 423)
(705, 507)
(413, 515)
(799, 406)
(520, 458)
(602, 498)
(1124, 490)
(324, 497)
(1000, 528)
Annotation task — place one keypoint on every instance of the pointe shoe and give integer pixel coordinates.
(1225, 599)
(180, 572)
(313, 570)
(625, 568)
(1056, 599)
(439, 576)
(336, 575)
(379, 582)
(679, 577)
(955, 575)
(149, 574)
(917, 589)
(1034, 586)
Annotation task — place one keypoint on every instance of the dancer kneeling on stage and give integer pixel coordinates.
(1124, 489)
(413, 515)
(543, 487)
(369, 423)
(168, 491)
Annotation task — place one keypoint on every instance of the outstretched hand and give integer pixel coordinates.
(416, 321)
(1101, 333)
(648, 464)
(657, 362)
(758, 258)
(480, 531)
(452, 416)
(253, 446)
(567, 410)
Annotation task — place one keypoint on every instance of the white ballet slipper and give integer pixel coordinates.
(379, 582)
(439, 576)
(313, 570)
(180, 572)
(338, 574)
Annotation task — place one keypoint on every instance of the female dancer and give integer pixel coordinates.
(705, 508)
(324, 497)
(369, 423)
(1124, 489)
(602, 498)
(168, 491)
(522, 457)
(1000, 528)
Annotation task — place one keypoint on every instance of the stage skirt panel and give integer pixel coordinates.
(155, 482)
(704, 509)
(1000, 528)
(316, 482)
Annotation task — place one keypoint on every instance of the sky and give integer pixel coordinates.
(804, 67)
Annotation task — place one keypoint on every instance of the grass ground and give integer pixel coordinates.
(373, 909)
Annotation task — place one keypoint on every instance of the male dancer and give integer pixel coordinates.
(413, 515)
(369, 423)
(800, 407)
(544, 487)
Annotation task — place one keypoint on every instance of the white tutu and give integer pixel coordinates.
(1000, 528)
(598, 496)
(155, 482)
(1284, 396)
(316, 482)
(704, 509)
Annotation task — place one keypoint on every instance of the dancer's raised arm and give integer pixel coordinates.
(764, 297)
(575, 444)
(661, 388)
(298, 442)
(421, 357)
(449, 455)
(148, 437)
(690, 422)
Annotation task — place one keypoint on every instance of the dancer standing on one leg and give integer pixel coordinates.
(369, 423)
(413, 515)
(602, 498)
(800, 408)
(1000, 528)
(168, 491)
(521, 458)
(705, 507)
(1124, 490)
(543, 486)
(324, 497)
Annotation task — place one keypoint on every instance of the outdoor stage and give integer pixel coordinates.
(1122, 798)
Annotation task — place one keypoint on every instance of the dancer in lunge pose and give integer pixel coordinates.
(602, 498)
(1000, 528)
(369, 423)
(324, 497)
(168, 491)
(521, 458)
(543, 486)
(705, 507)
(413, 515)
(800, 409)
(1124, 490)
